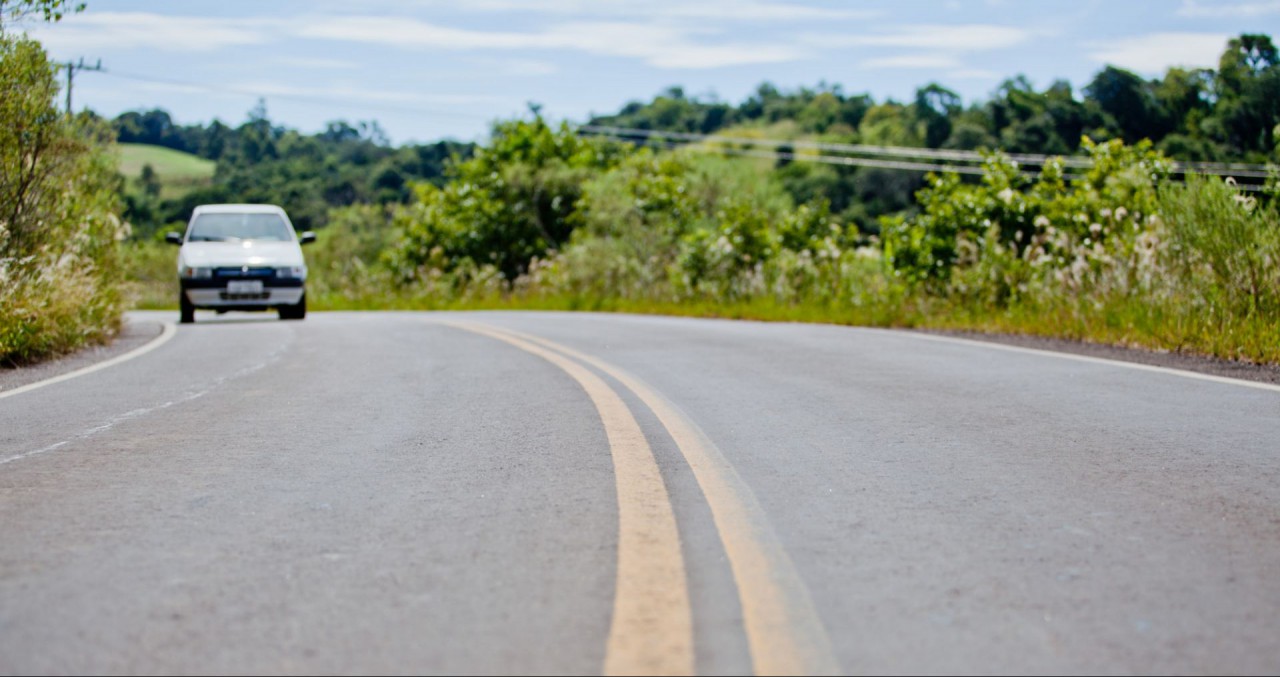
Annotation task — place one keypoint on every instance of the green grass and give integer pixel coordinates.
(178, 172)
(1117, 321)
(168, 163)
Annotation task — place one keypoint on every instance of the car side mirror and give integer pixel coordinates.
(173, 238)
(307, 237)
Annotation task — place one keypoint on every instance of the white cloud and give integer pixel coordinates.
(662, 46)
(406, 32)
(1153, 54)
(911, 61)
(517, 67)
(133, 30)
(661, 10)
(170, 88)
(942, 37)
(974, 74)
(319, 64)
(349, 92)
(1220, 9)
(935, 47)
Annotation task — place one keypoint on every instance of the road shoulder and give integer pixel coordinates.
(1245, 371)
(134, 333)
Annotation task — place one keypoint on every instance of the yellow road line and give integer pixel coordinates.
(652, 628)
(784, 632)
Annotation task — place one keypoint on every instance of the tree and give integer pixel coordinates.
(16, 11)
(1249, 93)
(59, 223)
(934, 108)
(510, 203)
(149, 181)
(1128, 100)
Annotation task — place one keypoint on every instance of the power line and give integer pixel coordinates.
(1239, 170)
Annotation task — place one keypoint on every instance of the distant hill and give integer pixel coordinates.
(178, 172)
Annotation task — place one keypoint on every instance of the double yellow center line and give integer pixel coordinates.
(652, 628)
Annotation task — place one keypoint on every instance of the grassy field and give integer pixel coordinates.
(178, 172)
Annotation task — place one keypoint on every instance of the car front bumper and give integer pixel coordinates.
(214, 295)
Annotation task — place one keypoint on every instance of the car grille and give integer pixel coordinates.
(226, 296)
(243, 273)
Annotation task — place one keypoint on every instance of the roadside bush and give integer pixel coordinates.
(1225, 245)
(346, 260)
(60, 271)
(150, 279)
(992, 241)
(1220, 249)
(504, 207)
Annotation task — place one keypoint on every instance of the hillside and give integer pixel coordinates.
(176, 171)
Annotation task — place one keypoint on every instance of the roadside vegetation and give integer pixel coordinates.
(1122, 255)
(544, 219)
(60, 266)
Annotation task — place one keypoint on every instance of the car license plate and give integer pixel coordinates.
(244, 287)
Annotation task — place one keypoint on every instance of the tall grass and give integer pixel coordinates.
(59, 227)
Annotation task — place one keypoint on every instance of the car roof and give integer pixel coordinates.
(239, 209)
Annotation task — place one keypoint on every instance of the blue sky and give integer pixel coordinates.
(432, 69)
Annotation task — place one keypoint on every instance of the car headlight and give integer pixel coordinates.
(292, 272)
(196, 273)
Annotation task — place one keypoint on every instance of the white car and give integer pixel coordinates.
(241, 257)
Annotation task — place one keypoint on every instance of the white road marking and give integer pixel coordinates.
(137, 413)
(166, 333)
(1085, 358)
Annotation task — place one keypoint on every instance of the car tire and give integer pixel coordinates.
(186, 311)
(296, 311)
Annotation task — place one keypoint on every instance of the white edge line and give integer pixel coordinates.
(1088, 358)
(168, 329)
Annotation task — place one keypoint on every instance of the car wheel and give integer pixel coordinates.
(186, 311)
(296, 311)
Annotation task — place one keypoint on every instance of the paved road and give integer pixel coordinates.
(555, 493)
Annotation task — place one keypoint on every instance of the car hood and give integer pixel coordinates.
(243, 253)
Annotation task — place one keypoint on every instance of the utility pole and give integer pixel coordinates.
(71, 71)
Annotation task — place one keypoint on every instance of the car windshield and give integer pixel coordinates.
(239, 226)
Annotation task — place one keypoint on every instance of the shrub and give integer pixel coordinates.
(507, 205)
(60, 272)
(1225, 246)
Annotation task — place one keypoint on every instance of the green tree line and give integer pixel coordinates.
(259, 161)
(1227, 114)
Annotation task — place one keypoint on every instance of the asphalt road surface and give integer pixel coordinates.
(537, 493)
